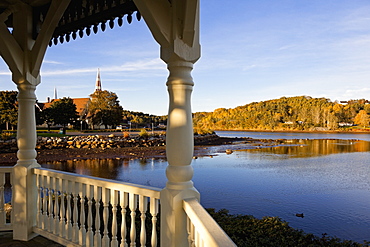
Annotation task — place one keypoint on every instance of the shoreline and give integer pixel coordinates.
(208, 146)
(156, 152)
(305, 131)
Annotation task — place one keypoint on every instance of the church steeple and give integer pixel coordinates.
(55, 93)
(98, 82)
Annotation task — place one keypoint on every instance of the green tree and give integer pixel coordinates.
(62, 111)
(45, 116)
(8, 108)
(104, 108)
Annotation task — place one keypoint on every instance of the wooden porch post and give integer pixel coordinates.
(24, 188)
(24, 56)
(179, 147)
(175, 26)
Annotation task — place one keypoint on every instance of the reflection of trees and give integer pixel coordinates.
(103, 168)
(143, 162)
(311, 148)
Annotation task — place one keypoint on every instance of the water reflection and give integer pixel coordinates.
(327, 180)
(311, 148)
(138, 171)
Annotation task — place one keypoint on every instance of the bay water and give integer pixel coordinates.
(325, 178)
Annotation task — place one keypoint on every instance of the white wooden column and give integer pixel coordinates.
(25, 190)
(24, 57)
(175, 26)
(179, 148)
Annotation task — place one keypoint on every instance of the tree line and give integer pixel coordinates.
(103, 108)
(287, 113)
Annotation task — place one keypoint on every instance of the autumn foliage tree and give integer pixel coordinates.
(104, 109)
(362, 119)
(286, 113)
(8, 108)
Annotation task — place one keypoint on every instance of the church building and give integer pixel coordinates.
(80, 103)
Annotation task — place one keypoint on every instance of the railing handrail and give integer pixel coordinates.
(212, 234)
(102, 182)
(6, 169)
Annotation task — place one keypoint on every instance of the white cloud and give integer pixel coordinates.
(142, 65)
(51, 62)
(357, 93)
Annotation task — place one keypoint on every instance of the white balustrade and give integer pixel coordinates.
(5, 172)
(202, 229)
(78, 210)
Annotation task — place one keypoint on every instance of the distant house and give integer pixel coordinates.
(79, 102)
(343, 124)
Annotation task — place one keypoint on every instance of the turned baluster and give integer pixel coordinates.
(105, 199)
(114, 202)
(56, 206)
(90, 233)
(39, 200)
(45, 204)
(123, 202)
(143, 204)
(97, 196)
(133, 205)
(69, 210)
(154, 212)
(62, 223)
(51, 204)
(75, 212)
(82, 232)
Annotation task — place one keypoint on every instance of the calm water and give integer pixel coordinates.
(327, 180)
(294, 135)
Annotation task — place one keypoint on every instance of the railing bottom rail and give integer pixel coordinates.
(55, 238)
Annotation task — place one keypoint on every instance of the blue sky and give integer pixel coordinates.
(252, 50)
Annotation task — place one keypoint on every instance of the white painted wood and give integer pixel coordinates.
(105, 199)
(82, 231)
(124, 204)
(62, 223)
(50, 204)
(179, 151)
(39, 200)
(16, 49)
(154, 205)
(90, 233)
(2, 200)
(69, 210)
(110, 192)
(44, 206)
(56, 207)
(133, 206)
(114, 202)
(205, 228)
(97, 196)
(143, 204)
(75, 229)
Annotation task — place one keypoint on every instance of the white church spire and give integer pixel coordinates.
(98, 82)
(55, 93)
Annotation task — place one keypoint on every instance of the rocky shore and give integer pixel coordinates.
(99, 146)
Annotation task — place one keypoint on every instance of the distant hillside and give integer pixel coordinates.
(293, 113)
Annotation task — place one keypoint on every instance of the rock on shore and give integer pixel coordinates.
(98, 146)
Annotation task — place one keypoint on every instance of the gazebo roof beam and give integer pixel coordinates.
(80, 15)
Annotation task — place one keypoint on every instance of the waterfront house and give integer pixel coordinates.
(77, 210)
